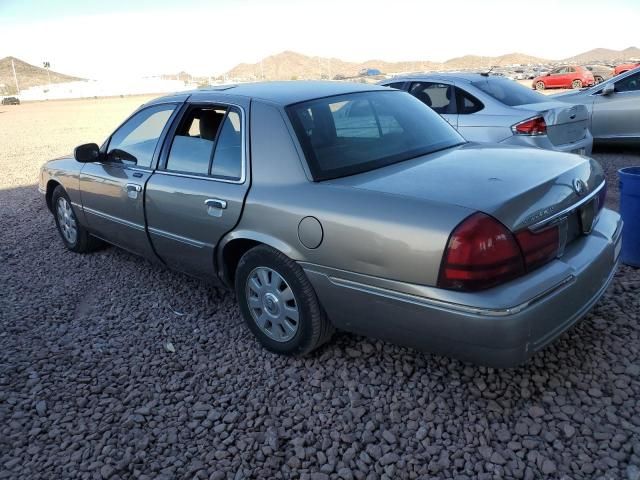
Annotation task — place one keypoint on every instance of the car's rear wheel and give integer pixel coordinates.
(598, 79)
(576, 84)
(279, 304)
(540, 85)
(74, 236)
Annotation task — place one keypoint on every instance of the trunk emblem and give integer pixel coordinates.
(580, 187)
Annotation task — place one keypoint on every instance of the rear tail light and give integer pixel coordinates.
(533, 126)
(540, 247)
(481, 253)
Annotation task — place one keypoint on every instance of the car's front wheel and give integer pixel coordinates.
(540, 85)
(598, 79)
(576, 84)
(279, 304)
(75, 237)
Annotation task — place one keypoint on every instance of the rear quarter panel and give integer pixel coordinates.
(371, 233)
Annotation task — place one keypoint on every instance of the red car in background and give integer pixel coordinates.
(566, 76)
(624, 67)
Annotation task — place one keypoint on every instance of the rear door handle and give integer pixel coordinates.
(133, 189)
(215, 206)
(216, 203)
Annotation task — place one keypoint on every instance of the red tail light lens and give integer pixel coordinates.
(540, 247)
(481, 253)
(533, 126)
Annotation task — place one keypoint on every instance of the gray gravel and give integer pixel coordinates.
(89, 388)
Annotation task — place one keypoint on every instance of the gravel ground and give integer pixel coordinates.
(111, 367)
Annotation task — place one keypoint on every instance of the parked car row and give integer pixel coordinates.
(486, 108)
(330, 205)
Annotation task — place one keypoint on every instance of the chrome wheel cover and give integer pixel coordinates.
(272, 304)
(67, 221)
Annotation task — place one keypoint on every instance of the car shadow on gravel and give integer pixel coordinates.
(111, 366)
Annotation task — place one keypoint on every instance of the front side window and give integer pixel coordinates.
(508, 92)
(208, 142)
(136, 140)
(353, 133)
(438, 96)
(629, 84)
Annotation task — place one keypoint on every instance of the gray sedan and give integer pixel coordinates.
(489, 108)
(614, 106)
(336, 205)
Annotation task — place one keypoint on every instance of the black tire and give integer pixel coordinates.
(540, 85)
(576, 84)
(313, 326)
(598, 79)
(84, 242)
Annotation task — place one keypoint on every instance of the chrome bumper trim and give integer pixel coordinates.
(432, 302)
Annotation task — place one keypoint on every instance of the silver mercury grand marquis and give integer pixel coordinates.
(336, 205)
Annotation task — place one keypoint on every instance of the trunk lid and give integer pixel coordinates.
(565, 123)
(518, 186)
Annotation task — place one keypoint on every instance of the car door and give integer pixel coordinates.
(475, 123)
(112, 190)
(439, 96)
(617, 115)
(196, 195)
(556, 77)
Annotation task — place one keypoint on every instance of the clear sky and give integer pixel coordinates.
(102, 39)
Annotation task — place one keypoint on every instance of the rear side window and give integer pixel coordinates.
(438, 96)
(396, 85)
(208, 142)
(467, 103)
(508, 92)
(227, 159)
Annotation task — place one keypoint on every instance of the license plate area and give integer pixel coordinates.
(579, 151)
(587, 215)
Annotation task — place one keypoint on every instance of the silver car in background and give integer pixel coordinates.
(489, 108)
(334, 204)
(614, 107)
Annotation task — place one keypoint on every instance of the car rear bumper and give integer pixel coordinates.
(583, 146)
(500, 327)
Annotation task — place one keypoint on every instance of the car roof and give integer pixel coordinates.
(283, 93)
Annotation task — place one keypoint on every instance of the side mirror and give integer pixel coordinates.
(89, 152)
(608, 89)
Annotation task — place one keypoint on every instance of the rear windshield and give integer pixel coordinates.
(348, 134)
(508, 92)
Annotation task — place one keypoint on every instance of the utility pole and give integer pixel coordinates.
(47, 66)
(15, 77)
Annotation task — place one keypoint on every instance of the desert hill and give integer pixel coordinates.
(605, 55)
(28, 75)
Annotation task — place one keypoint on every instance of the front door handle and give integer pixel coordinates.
(215, 206)
(133, 189)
